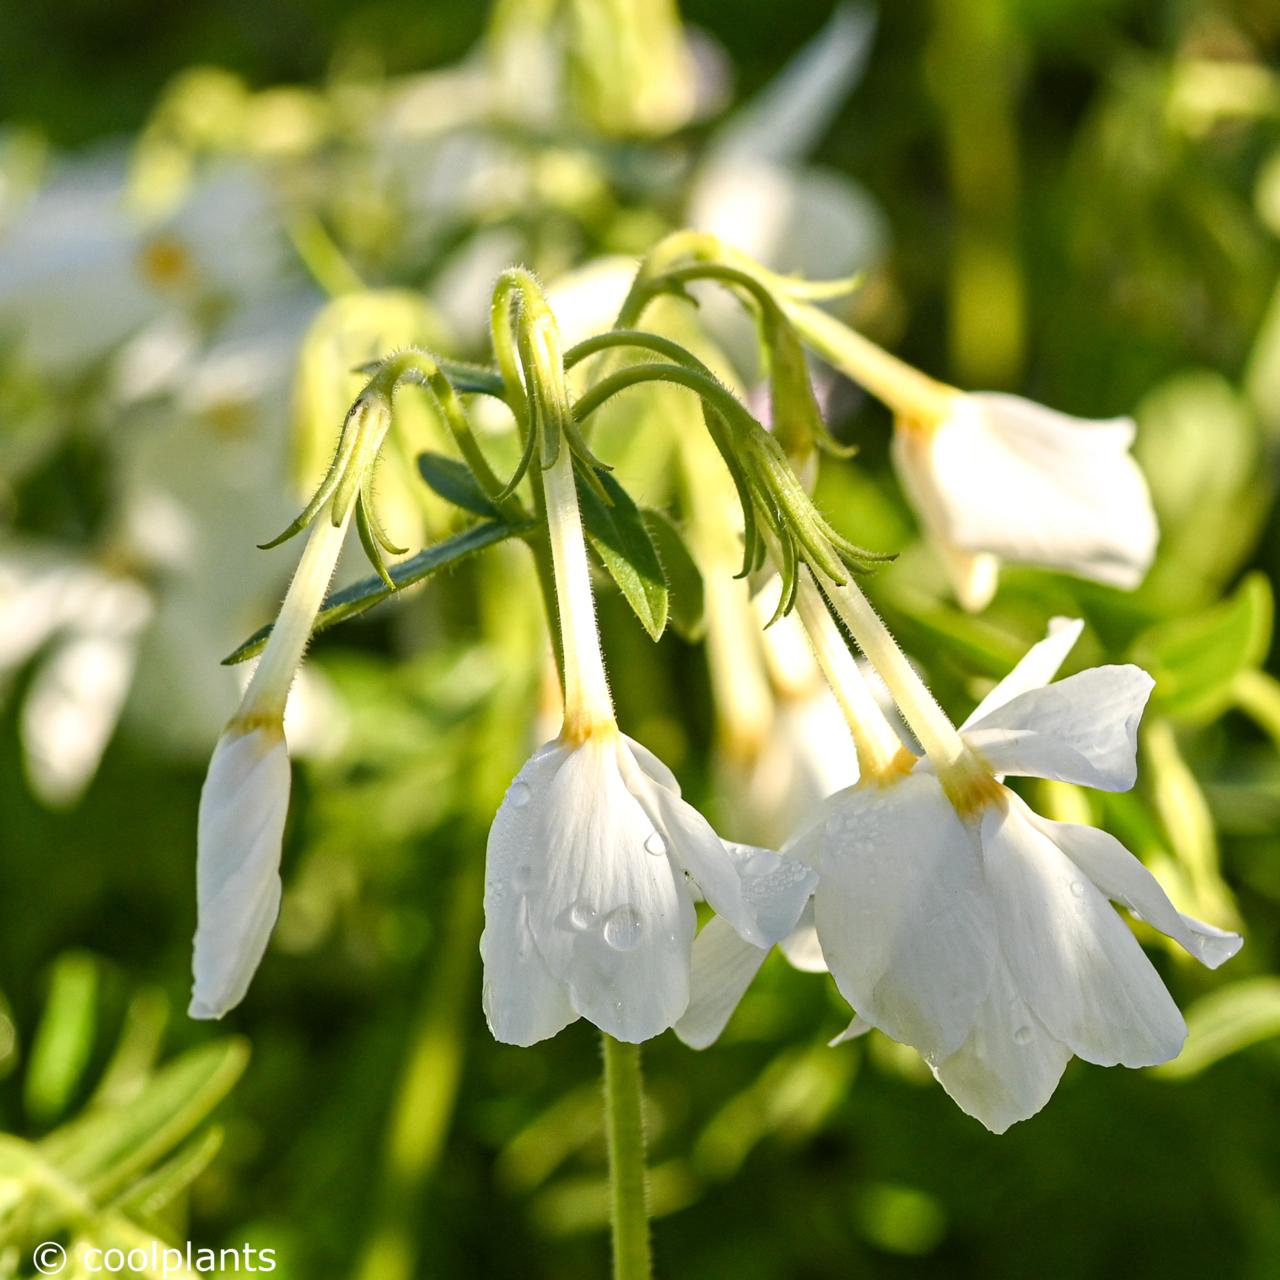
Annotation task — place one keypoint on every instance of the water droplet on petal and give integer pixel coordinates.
(518, 795)
(1077, 889)
(522, 880)
(622, 928)
(656, 845)
(761, 863)
(1022, 1035)
(582, 915)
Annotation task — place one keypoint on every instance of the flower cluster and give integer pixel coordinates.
(950, 915)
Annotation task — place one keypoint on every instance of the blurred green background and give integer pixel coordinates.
(1075, 199)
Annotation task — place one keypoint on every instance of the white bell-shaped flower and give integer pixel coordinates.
(958, 921)
(594, 861)
(998, 478)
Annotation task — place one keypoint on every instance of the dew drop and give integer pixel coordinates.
(518, 795)
(761, 864)
(656, 845)
(622, 928)
(1077, 889)
(522, 880)
(1022, 1035)
(582, 915)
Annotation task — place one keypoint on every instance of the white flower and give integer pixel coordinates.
(594, 864)
(246, 797)
(594, 861)
(965, 925)
(242, 812)
(1002, 478)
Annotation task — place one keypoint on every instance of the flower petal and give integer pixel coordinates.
(801, 945)
(1124, 879)
(1009, 1066)
(1035, 669)
(1027, 483)
(523, 1002)
(1084, 729)
(904, 920)
(723, 967)
(607, 912)
(760, 893)
(1074, 961)
(242, 813)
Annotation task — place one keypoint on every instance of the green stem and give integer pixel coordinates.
(624, 1129)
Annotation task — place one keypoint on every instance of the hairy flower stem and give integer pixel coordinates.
(269, 689)
(624, 1131)
(874, 740)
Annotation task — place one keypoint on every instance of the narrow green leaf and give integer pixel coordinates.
(684, 578)
(149, 1196)
(1224, 1022)
(64, 1038)
(1195, 660)
(105, 1149)
(454, 481)
(473, 379)
(364, 594)
(620, 538)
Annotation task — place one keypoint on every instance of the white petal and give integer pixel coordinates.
(760, 893)
(1029, 484)
(788, 117)
(242, 814)
(1084, 729)
(802, 947)
(1009, 1066)
(905, 924)
(1125, 880)
(856, 1029)
(610, 917)
(523, 1003)
(723, 967)
(1074, 960)
(1035, 669)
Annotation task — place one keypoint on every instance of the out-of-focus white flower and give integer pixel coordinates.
(91, 621)
(956, 920)
(1002, 478)
(79, 273)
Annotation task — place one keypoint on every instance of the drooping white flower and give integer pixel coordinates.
(1002, 478)
(594, 861)
(246, 797)
(958, 921)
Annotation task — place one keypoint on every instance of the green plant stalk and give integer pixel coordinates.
(628, 1183)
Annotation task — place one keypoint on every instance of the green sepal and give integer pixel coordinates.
(366, 593)
(455, 482)
(369, 541)
(686, 591)
(619, 536)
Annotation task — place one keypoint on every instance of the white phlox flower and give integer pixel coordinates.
(998, 478)
(246, 797)
(957, 920)
(594, 860)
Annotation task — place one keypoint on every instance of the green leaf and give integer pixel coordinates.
(64, 1039)
(107, 1148)
(473, 378)
(152, 1194)
(1196, 659)
(684, 578)
(455, 482)
(1224, 1022)
(621, 539)
(364, 594)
